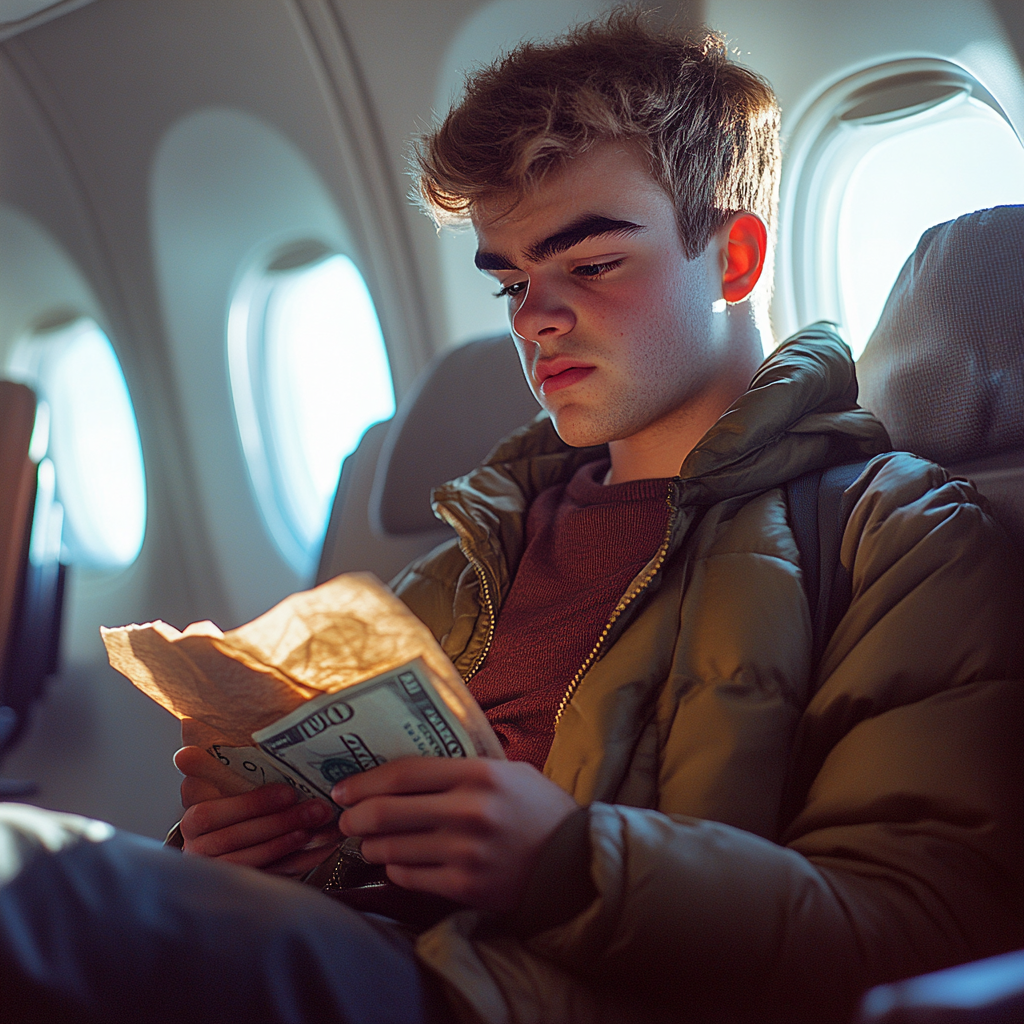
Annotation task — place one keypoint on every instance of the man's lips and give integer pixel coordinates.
(559, 374)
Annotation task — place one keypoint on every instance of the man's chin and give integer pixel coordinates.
(578, 431)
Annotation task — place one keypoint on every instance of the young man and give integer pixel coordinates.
(695, 822)
(638, 632)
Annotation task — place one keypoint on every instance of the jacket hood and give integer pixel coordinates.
(799, 414)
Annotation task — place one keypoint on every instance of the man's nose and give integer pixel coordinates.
(543, 315)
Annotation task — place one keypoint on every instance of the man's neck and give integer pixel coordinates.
(660, 449)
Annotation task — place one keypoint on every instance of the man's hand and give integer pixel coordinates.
(265, 828)
(468, 829)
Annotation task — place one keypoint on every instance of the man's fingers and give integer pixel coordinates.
(200, 764)
(295, 865)
(189, 760)
(291, 854)
(211, 815)
(251, 831)
(413, 775)
(465, 829)
(424, 849)
(263, 855)
(195, 791)
(465, 810)
(441, 881)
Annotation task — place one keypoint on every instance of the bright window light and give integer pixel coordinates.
(309, 374)
(873, 162)
(920, 171)
(86, 425)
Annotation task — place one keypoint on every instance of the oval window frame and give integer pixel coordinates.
(820, 162)
(247, 359)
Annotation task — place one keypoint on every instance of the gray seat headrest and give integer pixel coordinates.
(466, 401)
(944, 369)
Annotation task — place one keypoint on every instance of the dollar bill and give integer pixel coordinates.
(396, 714)
(258, 769)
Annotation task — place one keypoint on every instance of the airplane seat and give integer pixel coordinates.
(944, 371)
(944, 368)
(464, 402)
(17, 494)
(31, 576)
(351, 543)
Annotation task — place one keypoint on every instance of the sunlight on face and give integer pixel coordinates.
(616, 329)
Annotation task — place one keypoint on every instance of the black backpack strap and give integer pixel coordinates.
(817, 517)
(802, 499)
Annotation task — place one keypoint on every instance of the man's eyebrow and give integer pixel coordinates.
(493, 261)
(587, 226)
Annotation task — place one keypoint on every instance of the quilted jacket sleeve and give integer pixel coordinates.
(902, 851)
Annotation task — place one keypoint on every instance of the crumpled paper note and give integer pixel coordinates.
(317, 641)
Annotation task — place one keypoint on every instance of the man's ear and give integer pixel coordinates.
(745, 253)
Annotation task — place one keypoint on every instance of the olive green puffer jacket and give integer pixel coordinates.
(768, 838)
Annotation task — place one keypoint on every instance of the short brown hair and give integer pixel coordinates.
(708, 128)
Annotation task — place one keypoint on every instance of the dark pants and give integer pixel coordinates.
(99, 925)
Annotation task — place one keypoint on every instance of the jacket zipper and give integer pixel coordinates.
(481, 575)
(624, 602)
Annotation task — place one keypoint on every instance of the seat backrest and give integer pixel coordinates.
(17, 495)
(944, 368)
(465, 401)
(351, 543)
(33, 649)
(31, 576)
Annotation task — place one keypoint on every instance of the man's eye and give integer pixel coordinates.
(510, 289)
(595, 269)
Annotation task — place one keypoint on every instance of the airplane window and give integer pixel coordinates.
(875, 162)
(309, 373)
(941, 164)
(85, 423)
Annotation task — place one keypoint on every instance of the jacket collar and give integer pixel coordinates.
(799, 414)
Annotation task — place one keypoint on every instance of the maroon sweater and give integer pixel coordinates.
(584, 544)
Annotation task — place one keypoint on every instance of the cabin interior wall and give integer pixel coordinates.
(91, 746)
(88, 102)
(804, 46)
(1011, 13)
(438, 50)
